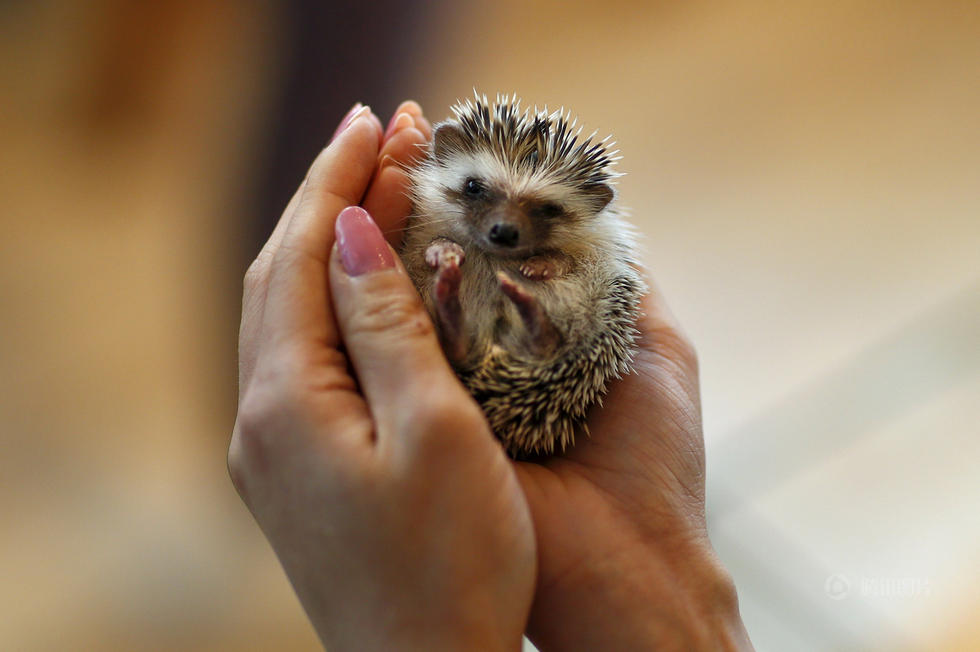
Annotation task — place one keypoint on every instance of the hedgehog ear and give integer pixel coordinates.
(599, 195)
(446, 139)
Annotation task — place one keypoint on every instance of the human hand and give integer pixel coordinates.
(623, 550)
(371, 471)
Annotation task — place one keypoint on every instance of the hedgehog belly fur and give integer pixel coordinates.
(537, 409)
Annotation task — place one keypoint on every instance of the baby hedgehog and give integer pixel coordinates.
(525, 265)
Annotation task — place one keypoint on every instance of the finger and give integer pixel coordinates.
(421, 123)
(424, 126)
(407, 144)
(297, 308)
(655, 314)
(253, 294)
(272, 245)
(660, 333)
(257, 276)
(353, 111)
(388, 199)
(387, 333)
(412, 108)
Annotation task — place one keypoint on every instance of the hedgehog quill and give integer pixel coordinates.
(525, 263)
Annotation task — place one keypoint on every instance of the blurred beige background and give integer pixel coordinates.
(805, 174)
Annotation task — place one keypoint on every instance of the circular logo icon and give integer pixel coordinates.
(837, 586)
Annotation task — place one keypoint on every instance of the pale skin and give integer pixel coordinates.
(395, 513)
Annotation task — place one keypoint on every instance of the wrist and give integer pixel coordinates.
(401, 625)
(643, 597)
(445, 637)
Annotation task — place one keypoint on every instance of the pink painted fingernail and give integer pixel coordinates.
(362, 247)
(347, 119)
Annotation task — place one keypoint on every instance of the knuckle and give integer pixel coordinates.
(392, 315)
(237, 469)
(675, 345)
(686, 350)
(255, 274)
(262, 412)
(436, 416)
(327, 371)
(445, 420)
(256, 412)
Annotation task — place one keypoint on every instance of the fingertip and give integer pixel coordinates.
(343, 167)
(410, 106)
(360, 242)
(379, 130)
(400, 121)
(404, 147)
(411, 109)
(424, 126)
(344, 121)
(388, 198)
(359, 115)
(415, 109)
(388, 202)
(361, 129)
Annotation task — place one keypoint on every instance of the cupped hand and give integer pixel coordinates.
(373, 474)
(624, 557)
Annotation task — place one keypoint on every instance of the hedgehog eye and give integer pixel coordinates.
(550, 209)
(473, 187)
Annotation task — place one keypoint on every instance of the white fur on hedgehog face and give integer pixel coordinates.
(436, 182)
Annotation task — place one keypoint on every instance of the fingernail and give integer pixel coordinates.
(362, 247)
(348, 118)
(398, 122)
(386, 160)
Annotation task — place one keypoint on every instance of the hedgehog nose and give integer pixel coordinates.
(505, 235)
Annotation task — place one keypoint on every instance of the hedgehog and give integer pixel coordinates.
(526, 265)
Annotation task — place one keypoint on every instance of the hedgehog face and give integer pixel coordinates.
(507, 207)
(513, 184)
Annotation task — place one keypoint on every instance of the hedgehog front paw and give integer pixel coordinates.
(443, 252)
(449, 312)
(544, 267)
(543, 338)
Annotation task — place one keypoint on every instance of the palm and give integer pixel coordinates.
(638, 478)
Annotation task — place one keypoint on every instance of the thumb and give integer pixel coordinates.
(386, 330)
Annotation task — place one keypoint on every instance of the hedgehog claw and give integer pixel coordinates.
(543, 268)
(544, 337)
(443, 251)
